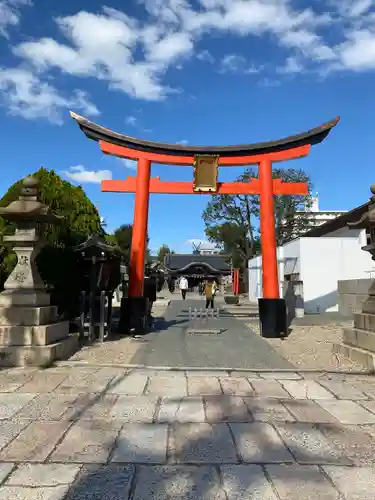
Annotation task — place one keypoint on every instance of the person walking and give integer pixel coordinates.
(214, 289)
(184, 285)
(209, 293)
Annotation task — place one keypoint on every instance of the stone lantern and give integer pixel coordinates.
(359, 341)
(29, 332)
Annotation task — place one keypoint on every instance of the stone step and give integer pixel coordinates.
(40, 335)
(39, 355)
(364, 321)
(24, 315)
(356, 354)
(356, 337)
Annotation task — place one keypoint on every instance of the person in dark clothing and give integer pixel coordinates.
(150, 289)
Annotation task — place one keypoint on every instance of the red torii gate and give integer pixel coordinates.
(206, 160)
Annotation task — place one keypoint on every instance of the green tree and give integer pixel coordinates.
(57, 262)
(123, 237)
(162, 252)
(232, 221)
(231, 239)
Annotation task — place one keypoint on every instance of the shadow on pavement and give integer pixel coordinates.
(137, 467)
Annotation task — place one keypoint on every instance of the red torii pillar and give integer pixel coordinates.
(272, 309)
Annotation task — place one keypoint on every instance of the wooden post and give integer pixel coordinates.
(267, 232)
(139, 234)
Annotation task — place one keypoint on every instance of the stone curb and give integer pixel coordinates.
(208, 368)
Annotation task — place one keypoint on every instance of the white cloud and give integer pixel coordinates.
(127, 163)
(269, 82)
(79, 174)
(353, 8)
(183, 142)
(10, 14)
(359, 52)
(292, 65)
(24, 94)
(104, 45)
(131, 120)
(133, 56)
(232, 63)
(206, 56)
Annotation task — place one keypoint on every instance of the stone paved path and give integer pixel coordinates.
(171, 344)
(77, 433)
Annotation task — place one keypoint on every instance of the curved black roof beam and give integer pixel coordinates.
(98, 133)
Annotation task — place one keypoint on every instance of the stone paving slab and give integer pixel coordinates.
(268, 410)
(308, 411)
(353, 483)
(10, 404)
(202, 443)
(259, 443)
(182, 410)
(309, 446)
(185, 483)
(348, 412)
(35, 442)
(246, 481)
(185, 434)
(301, 483)
(141, 443)
(226, 409)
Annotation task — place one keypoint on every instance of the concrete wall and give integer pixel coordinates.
(328, 259)
(255, 275)
(320, 262)
(351, 295)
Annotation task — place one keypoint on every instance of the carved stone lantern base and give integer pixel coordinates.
(31, 335)
(24, 298)
(358, 343)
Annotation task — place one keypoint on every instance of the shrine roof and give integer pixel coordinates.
(99, 133)
(338, 222)
(181, 262)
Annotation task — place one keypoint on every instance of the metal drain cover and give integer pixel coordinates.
(205, 331)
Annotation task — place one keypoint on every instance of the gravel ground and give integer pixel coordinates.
(310, 347)
(119, 351)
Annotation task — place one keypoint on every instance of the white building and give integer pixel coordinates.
(318, 217)
(206, 248)
(325, 255)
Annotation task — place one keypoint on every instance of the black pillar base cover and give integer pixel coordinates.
(273, 318)
(133, 314)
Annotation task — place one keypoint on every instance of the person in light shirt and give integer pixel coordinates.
(184, 285)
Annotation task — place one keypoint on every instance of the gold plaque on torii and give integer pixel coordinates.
(205, 173)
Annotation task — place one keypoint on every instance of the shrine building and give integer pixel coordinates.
(198, 267)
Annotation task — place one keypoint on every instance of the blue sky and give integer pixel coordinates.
(196, 71)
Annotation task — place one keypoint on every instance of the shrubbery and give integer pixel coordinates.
(57, 263)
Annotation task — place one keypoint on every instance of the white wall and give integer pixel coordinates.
(328, 259)
(255, 278)
(292, 258)
(255, 273)
(321, 262)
